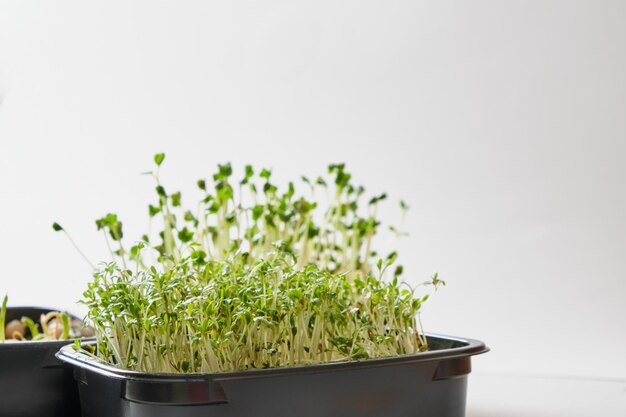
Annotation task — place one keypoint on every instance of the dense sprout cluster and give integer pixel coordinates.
(253, 277)
(231, 315)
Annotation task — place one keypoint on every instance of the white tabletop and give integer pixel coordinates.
(492, 395)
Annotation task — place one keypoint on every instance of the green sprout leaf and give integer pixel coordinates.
(32, 326)
(185, 235)
(153, 211)
(65, 320)
(3, 315)
(158, 158)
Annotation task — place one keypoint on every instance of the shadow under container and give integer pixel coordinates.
(428, 384)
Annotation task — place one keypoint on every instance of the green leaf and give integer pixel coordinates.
(321, 181)
(436, 281)
(153, 210)
(57, 227)
(257, 212)
(265, 173)
(3, 314)
(376, 199)
(189, 217)
(291, 190)
(65, 320)
(32, 326)
(136, 249)
(198, 254)
(175, 199)
(101, 223)
(269, 188)
(185, 235)
(226, 170)
(115, 227)
(158, 158)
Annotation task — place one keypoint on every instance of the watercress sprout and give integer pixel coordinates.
(253, 276)
(232, 315)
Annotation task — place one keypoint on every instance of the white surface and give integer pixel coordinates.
(502, 123)
(493, 395)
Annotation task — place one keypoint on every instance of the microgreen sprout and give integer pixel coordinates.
(32, 327)
(230, 315)
(3, 315)
(253, 276)
(58, 228)
(252, 214)
(55, 325)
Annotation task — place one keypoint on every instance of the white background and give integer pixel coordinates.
(502, 123)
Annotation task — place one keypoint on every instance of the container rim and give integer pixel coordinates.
(469, 347)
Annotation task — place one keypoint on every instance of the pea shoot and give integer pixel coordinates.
(55, 325)
(3, 314)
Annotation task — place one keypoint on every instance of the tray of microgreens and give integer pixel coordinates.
(33, 382)
(251, 277)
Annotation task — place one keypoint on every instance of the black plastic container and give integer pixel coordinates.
(33, 382)
(429, 384)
